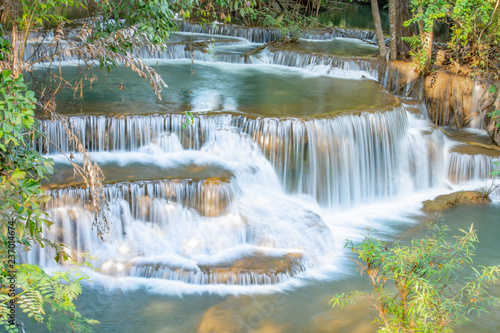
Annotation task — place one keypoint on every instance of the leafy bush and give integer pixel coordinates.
(46, 298)
(22, 168)
(475, 32)
(428, 286)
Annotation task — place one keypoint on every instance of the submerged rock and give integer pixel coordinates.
(245, 314)
(461, 198)
(356, 317)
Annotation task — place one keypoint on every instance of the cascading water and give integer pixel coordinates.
(266, 35)
(368, 156)
(464, 167)
(205, 231)
(246, 193)
(363, 161)
(254, 35)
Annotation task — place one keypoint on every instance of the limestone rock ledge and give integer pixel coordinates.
(460, 198)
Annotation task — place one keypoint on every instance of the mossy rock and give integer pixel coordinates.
(455, 199)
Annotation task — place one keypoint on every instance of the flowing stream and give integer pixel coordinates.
(237, 222)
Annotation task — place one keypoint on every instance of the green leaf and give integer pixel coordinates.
(18, 175)
(6, 75)
(44, 198)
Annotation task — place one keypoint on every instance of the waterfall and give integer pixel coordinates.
(254, 35)
(368, 156)
(192, 230)
(166, 228)
(179, 46)
(232, 227)
(129, 133)
(390, 77)
(366, 35)
(370, 69)
(266, 35)
(246, 192)
(463, 167)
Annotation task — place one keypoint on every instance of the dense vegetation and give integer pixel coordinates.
(475, 33)
(44, 297)
(474, 27)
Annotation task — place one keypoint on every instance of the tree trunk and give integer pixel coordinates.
(14, 52)
(378, 29)
(393, 21)
(427, 38)
(403, 13)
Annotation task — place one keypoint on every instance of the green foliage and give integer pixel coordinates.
(427, 12)
(48, 298)
(495, 115)
(254, 12)
(22, 219)
(154, 19)
(188, 121)
(224, 10)
(39, 13)
(470, 18)
(4, 45)
(475, 30)
(22, 168)
(428, 286)
(288, 23)
(496, 171)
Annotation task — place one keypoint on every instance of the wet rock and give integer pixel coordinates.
(461, 198)
(453, 98)
(210, 197)
(256, 269)
(142, 170)
(215, 196)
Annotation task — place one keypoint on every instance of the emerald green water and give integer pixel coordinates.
(353, 16)
(266, 90)
(338, 46)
